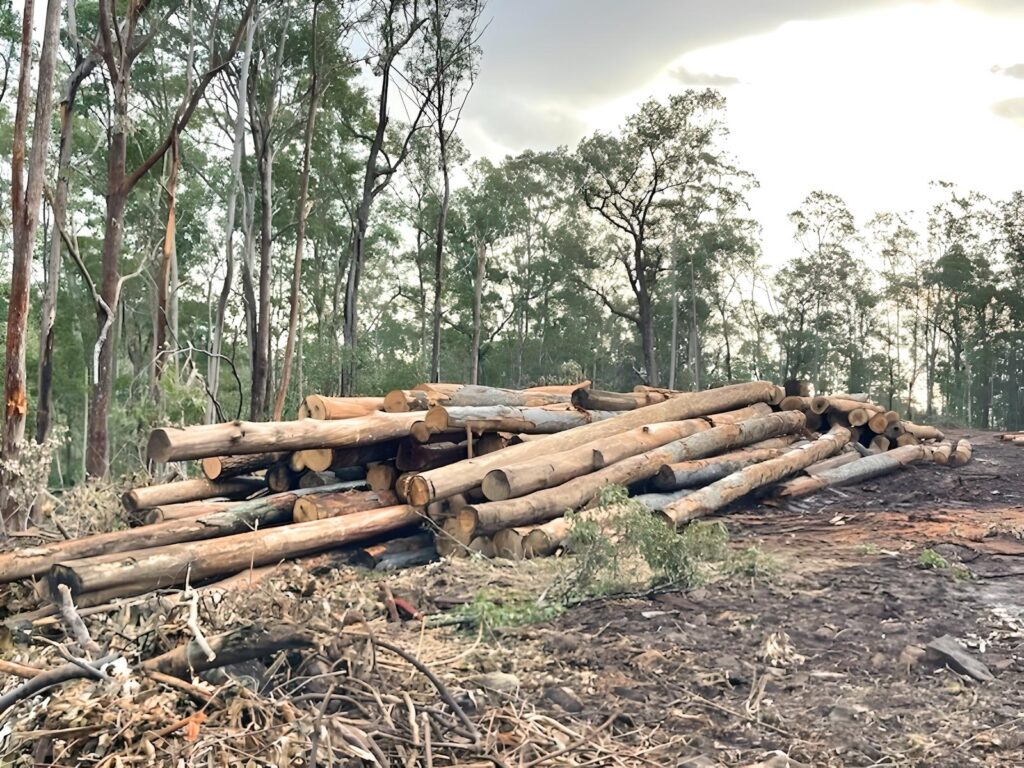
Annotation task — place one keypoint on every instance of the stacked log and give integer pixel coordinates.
(463, 468)
(1017, 438)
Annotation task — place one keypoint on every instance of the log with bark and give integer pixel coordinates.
(241, 437)
(713, 497)
(657, 502)
(840, 405)
(340, 503)
(847, 457)
(600, 400)
(464, 475)
(698, 472)
(543, 505)
(237, 518)
(866, 468)
(184, 510)
(548, 471)
(414, 456)
(166, 566)
(221, 467)
(502, 418)
(234, 647)
(196, 489)
(456, 395)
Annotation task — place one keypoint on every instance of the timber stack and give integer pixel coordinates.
(1017, 438)
(453, 469)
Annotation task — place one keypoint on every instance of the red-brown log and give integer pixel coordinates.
(170, 565)
(240, 516)
(240, 437)
(340, 503)
(195, 489)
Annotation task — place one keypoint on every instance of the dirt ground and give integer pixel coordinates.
(689, 679)
(824, 664)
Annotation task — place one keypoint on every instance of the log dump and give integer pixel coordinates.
(1017, 438)
(452, 469)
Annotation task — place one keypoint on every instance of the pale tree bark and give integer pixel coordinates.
(26, 198)
(120, 47)
(302, 211)
(217, 345)
(84, 65)
(478, 291)
(379, 168)
(263, 119)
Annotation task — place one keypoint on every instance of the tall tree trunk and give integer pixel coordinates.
(645, 312)
(44, 409)
(442, 219)
(673, 359)
(163, 283)
(478, 292)
(217, 344)
(261, 353)
(300, 229)
(25, 203)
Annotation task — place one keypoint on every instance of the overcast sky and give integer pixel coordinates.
(869, 99)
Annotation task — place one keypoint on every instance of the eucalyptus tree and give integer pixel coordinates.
(121, 44)
(443, 72)
(387, 31)
(668, 156)
(26, 197)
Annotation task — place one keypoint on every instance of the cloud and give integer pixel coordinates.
(1011, 109)
(688, 77)
(516, 124)
(1014, 70)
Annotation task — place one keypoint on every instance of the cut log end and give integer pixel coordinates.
(212, 467)
(421, 431)
(396, 402)
(420, 491)
(159, 447)
(496, 486)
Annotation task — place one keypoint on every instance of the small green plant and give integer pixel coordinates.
(489, 612)
(622, 546)
(752, 563)
(868, 548)
(931, 560)
(961, 573)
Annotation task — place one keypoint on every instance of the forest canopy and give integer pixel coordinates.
(220, 207)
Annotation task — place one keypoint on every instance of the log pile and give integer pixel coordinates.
(458, 469)
(1017, 438)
